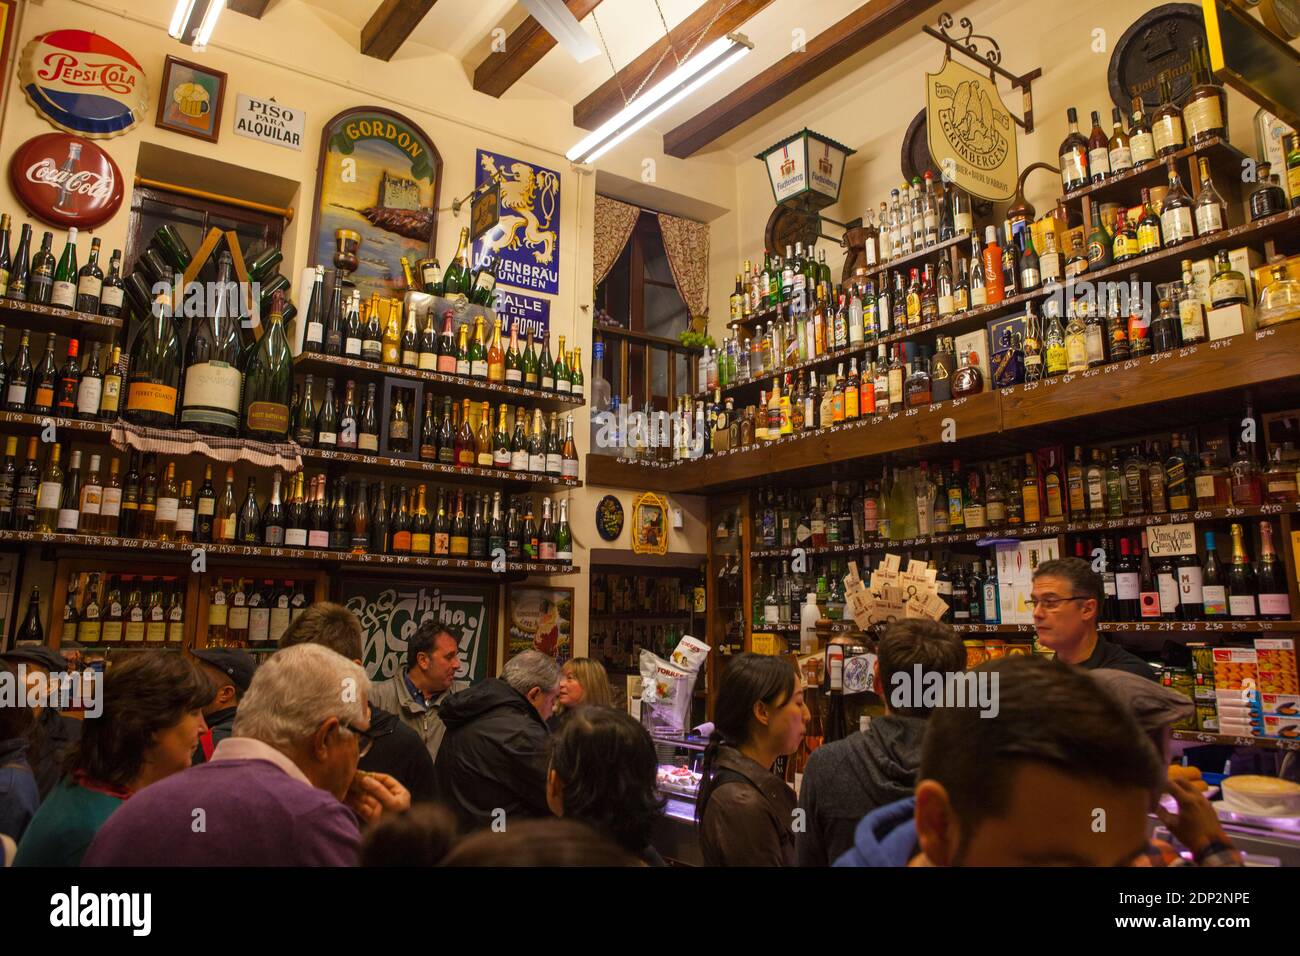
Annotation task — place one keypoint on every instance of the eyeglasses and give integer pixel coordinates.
(365, 739)
(1052, 602)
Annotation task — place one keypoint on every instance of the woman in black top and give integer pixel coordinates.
(603, 769)
(745, 811)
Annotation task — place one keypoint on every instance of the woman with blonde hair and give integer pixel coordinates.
(582, 681)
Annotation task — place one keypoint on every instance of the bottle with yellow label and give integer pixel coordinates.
(1076, 343)
(1056, 357)
(392, 340)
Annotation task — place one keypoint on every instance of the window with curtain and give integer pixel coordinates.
(641, 295)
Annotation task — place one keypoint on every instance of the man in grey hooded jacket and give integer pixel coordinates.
(847, 779)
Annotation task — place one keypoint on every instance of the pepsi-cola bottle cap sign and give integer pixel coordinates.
(84, 83)
(66, 180)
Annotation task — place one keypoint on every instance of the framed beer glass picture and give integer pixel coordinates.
(191, 99)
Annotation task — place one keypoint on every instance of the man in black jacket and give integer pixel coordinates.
(53, 735)
(231, 671)
(492, 765)
(847, 779)
(396, 749)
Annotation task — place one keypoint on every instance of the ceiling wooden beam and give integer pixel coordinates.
(870, 22)
(390, 25)
(524, 48)
(607, 99)
(249, 8)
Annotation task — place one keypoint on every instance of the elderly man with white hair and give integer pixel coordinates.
(491, 767)
(282, 790)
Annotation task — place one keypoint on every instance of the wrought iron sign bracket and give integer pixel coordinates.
(969, 46)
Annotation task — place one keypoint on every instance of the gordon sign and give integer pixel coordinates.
(84, 83)
(66, 180)
(972, 135)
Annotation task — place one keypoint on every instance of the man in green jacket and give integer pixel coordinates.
(417, 692)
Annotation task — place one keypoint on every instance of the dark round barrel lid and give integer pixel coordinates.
(916, 149)
(788, 225)
(1159, 40)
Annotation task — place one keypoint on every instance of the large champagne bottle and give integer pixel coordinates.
(268, 382)
(212, 380)
(155, 373)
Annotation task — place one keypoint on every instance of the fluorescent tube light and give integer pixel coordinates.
(688, 77)
(194, 20)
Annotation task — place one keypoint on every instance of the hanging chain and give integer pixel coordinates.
(663, 56)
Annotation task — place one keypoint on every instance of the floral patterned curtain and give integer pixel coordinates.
(687, 245)
(614, 222)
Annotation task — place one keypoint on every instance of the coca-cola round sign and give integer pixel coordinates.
(84, 83)
(66, 180)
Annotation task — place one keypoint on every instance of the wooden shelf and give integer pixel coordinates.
(451, 473)
(1152, 627)
(50, 318)
(1126, 188)
(30, 423)
(918, 260)
(614, 331)
(1231, 740)
(467, 387)
(1163, 264)
(1177, 382)
(88, 542)
(1043, 529)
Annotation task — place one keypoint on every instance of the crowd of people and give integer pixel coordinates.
(304, 760)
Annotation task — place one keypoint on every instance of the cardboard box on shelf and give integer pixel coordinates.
(1246, 260)
(1229, 321)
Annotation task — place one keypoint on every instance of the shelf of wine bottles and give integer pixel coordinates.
(32, 423)
(465, 473)
(1253, 626)
(1232, 740)
(1159, 265)
(337, 364)
(93, 541)
(60, 321)
(1119, 186)
(1043, 529)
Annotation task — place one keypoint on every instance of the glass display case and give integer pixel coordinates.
(678, 782)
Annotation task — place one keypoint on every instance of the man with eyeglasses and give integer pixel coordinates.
(1066, 601)
(282, 790)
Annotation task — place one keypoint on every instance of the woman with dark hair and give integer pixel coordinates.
(151, 720)
(603, 769)
(19, 796)
(744, 811)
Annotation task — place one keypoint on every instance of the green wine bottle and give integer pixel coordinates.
(210, 403)
(456, 280)
(485, 283)
(268, 382)
(531, 368)
(546, 367)
(64, 293)
(155, 368)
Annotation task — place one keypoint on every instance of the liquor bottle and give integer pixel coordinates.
(483, 456)
(273, 519)
(1125, 244)
(225, 523)
(409, 344)
(1167, 121)
(88, 626)
(1211, 212)
(537, 446)
(1274, 602)
(519, 443)
(560, 371)
(428, 431)
(546, 534)
(28, 490)
(6, 261)
(441, 540)
(134, 614)
(327, 419)
(1098, 151)
(68, 518)
(372, 335)
(391, 343)
(31, 631)
(69, 381)
(1164, 328)
(90, 282)
(106, 519)
(147, 514)
(1073, 155)
(1228, 287)
(175, 617)
(421, 525)
(19, 376)
(210, 403)
(1244, 474)
(1176, 220)
(238, 619)
(314, 335)
(45, 380)
(352, 329)
(546, 367)
(90, 387)
(358, 525)
(111, 397)
(399, 425)
(478, 528)
(500, 440)
(1128, 584)
(1100, 243)
(462, 352)
(368, 423)
(496, 361)
(1205, 110)
(456, 279)
(347, 427)
(20, 269)
(64, 291)
(1214, 588)
(318, 532)
(340, 519)
(9, 483)
(993, 273)
(466, 446)
(513, 363)
(1291, 143)
(1056, 360)
(1241, 578)
(478, 364)
(155, 370)
(49, 493)
(1267, 198)
(113, 290)
(185, 514)
(167, 506)
(460, 529)
(1076, 342)
(1119, 153)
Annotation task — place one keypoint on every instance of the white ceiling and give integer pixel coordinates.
(463, 30)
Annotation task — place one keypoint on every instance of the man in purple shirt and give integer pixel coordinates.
(282, 790)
